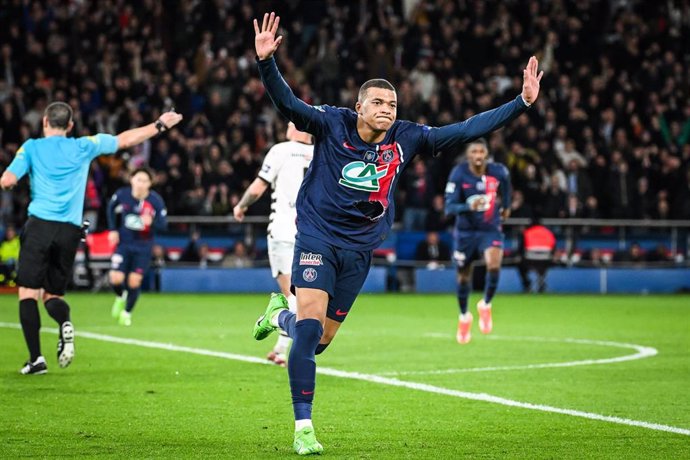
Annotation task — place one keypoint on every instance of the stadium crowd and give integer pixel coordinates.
(610, 136)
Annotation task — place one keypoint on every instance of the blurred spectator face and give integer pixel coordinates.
(158, 251)
(432, 238)
(477, 154)
(635, 251)
(378, 109)
(592, 202)
(10, 233)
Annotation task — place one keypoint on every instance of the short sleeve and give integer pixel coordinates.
(274, 160)
(99, 144)
(22, 160)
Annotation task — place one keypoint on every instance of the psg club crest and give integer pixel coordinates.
(309, 274)
(387, 156)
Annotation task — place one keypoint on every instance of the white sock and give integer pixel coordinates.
(305, 422)
(292, 303)
(282, 344)
(464, 317)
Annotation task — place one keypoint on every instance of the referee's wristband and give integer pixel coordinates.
(160, 126)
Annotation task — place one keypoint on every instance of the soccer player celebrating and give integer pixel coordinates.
(345, 206)
(58, 167)
(283, 169)
(471, 193)
(142, 212)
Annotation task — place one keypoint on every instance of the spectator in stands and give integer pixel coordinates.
(634, 255)
(518, 207)
(9, 254)
(555, 199)
(191, 254)
(238, 257)
(537, 247)
(417, 196)
(637, 106)
(433, 251)
(659, 254)
(437, 220)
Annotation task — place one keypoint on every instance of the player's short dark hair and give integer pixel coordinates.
(59, 115)
(480, 141)
(374, 83)
(143, 169)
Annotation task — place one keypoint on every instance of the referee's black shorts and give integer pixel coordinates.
(46, 257)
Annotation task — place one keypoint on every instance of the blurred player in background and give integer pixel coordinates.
(141, 212)
(471, 194)
(283, 170)
(345, 206)
(58, 167)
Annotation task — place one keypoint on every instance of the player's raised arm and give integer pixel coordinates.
(304, 116)
(483, 123)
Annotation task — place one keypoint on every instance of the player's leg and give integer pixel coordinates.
(134, 280)
(280, 257)
(306, 330)
(464, 286)
(465, 248)
(278, 354)
(58, 275)
(493, 256)
(117, 281)
(35, 240)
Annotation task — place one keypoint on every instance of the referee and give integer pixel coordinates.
(58, 167)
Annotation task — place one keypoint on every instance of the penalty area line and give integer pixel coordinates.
(381, 380)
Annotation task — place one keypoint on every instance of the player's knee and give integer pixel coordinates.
(116, 277)
(133, 282)
(320, 348)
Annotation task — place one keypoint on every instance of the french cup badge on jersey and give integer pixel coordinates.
(309, 274)
(370, 156)
(387, 155)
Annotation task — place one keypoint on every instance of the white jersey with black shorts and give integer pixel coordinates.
(283, 169)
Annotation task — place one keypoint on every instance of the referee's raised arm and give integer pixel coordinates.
(136, 136)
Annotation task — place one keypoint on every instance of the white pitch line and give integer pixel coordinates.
(641, 353)
(380, 380)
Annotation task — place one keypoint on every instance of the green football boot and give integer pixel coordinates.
(263, 326)
(306, 443)
(118, 306)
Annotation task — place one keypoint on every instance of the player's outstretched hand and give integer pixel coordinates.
(170, 119)
(265, 41)
(530, 81)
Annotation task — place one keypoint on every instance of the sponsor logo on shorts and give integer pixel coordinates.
(308, 258)
(497, 243)
(339, 312)
(309, 274)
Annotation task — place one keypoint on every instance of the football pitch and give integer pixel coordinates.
(560, 377)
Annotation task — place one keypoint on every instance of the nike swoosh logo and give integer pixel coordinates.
(347, 145)
(341, 313)
(307, 393)
(466, 185)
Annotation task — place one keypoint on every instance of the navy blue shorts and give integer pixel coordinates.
(131, 259)
(339, 272)
(469, 246)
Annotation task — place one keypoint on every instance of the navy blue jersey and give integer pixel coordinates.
(346, 198)
(463, 186)
(130, 210)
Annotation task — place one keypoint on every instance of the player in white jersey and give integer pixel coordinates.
(283, 169)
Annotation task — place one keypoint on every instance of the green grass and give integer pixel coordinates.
(127, 401)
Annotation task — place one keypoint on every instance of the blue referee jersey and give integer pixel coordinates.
(58, 168)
